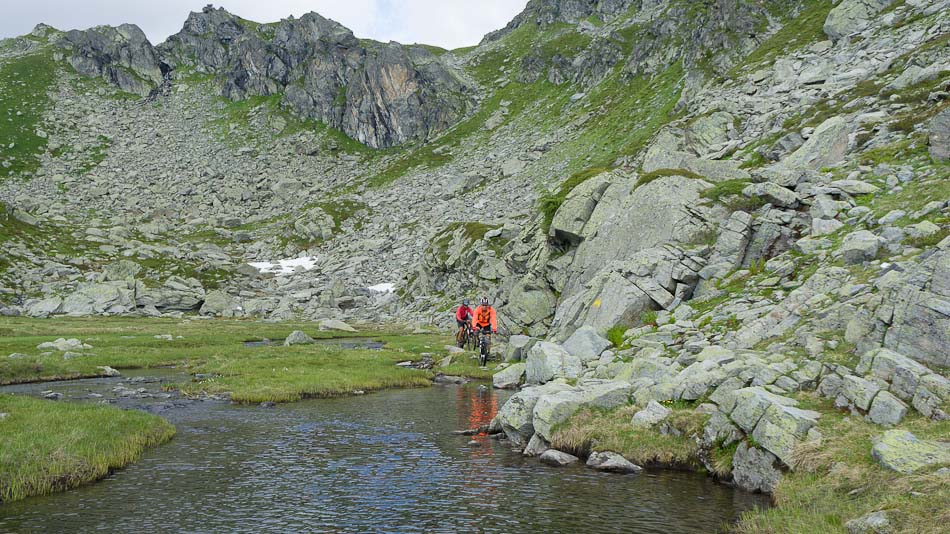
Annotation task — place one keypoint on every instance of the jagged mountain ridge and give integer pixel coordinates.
(380, 94)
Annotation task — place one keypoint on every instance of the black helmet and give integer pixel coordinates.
(466, 302)
(484, 301)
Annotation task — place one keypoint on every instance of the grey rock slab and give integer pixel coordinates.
(859, 247)
(754, 469)
(557, 458)
(901, 451)
(547, 361)
(586, 344)
(886, 409)
(298, 338)
(510, 377)
(612, 462)
(650, 416)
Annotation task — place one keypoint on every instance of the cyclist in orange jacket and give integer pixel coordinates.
(484, 318)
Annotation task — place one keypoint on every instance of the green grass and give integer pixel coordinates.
(48, 446)
(592, 430)
(615, 335)
(797, 32)
(837, 480)
(250, 374)
(24, 85)
(287, 374)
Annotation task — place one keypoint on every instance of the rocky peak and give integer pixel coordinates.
(380, 94)
(121, 55)
(547, 12)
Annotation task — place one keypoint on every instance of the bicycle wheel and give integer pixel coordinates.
(460, 339)
(486, 346)
(472, 342)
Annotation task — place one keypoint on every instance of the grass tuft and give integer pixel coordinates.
(48, 446)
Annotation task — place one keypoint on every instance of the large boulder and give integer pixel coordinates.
(121, 270)
(510, 377)
(860, 246)
(586, 344)
(571, 217)
(917, 309)
(557, 408)
(901, 451)
(754, 469)
(655, 278)
(827, 145)
(547, 361)
(630, 219)
(852, 16)
(516, 415)
(107, 298)
(221, 304)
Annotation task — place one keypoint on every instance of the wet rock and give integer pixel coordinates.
(612, 463)
(901, 451)
(510, 377)
(105, 370)
(52, 395)
(557, 458)
(754, 469)
(536, 446)
(268, 404)
(298, 338)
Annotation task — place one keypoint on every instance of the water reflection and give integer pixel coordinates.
(386, 462)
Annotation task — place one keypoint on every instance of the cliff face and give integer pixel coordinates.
(121, 55)
(379, 94)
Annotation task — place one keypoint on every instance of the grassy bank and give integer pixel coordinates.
(216, 348)
(52, 446)
(835, 480)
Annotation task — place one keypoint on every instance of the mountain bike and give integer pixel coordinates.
(484, 343)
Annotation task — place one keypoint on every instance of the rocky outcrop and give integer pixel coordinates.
(655, 278)
(852, 16)
(379, 94)
(940, 136)
(121, 55)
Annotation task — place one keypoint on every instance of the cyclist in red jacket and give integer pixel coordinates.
(463, 315)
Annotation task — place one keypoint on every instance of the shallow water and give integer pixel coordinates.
(386, 462)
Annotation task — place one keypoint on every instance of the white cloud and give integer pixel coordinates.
(445, 23)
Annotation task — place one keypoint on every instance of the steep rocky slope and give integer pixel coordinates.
(745, 202)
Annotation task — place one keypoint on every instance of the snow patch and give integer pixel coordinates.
(285, 266)
(382, 288)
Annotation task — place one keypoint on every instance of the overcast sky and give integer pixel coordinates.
(446, 23)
